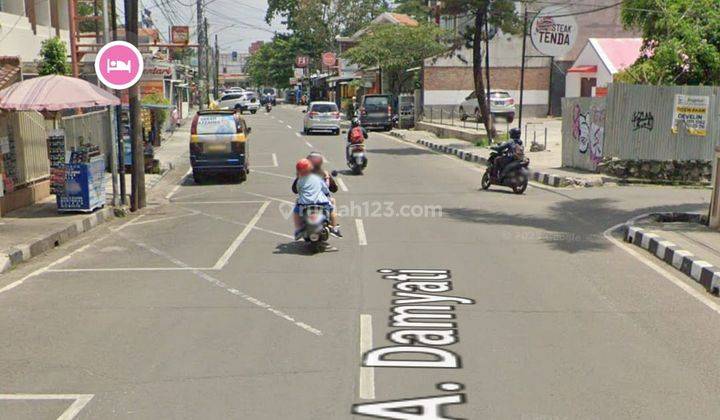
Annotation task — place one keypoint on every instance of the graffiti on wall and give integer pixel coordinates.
(589, 130)
(643, 120)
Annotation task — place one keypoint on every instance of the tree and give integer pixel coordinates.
(681, 42)
(53, 57)
(273, 63)
(418, 9)
(396, 48)
(500, 14)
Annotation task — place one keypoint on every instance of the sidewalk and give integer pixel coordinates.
(544, 166)
(30, 231)
(682, 241)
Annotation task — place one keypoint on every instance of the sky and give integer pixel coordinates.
(237, 22)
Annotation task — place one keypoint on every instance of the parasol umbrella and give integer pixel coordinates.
(54, 93)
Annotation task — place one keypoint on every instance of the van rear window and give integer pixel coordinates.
(376, 103)
(216, 124)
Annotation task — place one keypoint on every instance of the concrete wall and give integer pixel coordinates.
(18, 38)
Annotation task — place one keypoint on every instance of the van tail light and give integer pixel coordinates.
(362, 111)
(511, 101)
(336, 115)
(193, 126)
(389, 110)
(313, 114)
(237, 147)
(195, 148)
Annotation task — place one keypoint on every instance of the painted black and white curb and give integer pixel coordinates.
(11, 257)
(701, 271)
(537, 176)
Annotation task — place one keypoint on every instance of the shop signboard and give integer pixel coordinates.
(691, 112)
(180, 34)
(329, 59)
(302, 61)
(554, 31)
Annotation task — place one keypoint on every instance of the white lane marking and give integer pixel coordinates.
(241, 237)
(298, 134)
(223, 219)
(289, 126)
(367, 374)
(128, 223)
(281, 121)
(701, 297)
(362, 239)
(177, 200)
(177, 187)
(270, 198)
(341, 184)
(162, 219)
(309, 145)
(80, 401)
(221, 284)
(222, 202)
(272, 174)
(275, 160)
(114, 269)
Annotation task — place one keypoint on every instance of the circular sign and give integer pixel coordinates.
(329, 59)
(552, 32)
(119, 65)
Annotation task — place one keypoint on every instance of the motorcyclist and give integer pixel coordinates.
(353, 135)
(309, 170)
(508, 152)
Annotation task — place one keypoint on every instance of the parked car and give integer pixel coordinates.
(376, 112)
(321, 116)
(219, 144)
(501, 105)
(240, 101)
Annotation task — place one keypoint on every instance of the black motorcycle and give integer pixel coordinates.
(514, 174)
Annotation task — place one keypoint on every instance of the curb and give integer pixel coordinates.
(701, 271)
(537, 176)
(21, 253)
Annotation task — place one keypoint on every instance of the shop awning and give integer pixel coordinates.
(583, 69)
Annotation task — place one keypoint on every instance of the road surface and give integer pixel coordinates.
(203, 307)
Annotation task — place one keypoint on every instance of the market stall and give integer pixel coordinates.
(76, 172)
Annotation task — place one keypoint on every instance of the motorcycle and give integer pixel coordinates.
(316, 227)
(268, 107)
(515, 174)
(356, 158)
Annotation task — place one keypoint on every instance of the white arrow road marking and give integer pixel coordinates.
(80, 402)
(367, 374)
(341, 184)
(362, 239)
(222, 262)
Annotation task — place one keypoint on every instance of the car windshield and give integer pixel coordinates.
(499, 95)
(324, 108)
(269, 91)
(230, 97)
(216, 124)
(376, 103)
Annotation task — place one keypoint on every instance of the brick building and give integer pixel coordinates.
(448, 80)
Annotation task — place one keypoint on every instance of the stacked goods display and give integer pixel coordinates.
(56, 155)
(84, 180)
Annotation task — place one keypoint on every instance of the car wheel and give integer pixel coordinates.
(336, 132)
(253, 111)
(197, 177)
(306, 131)
(510, 120)
(463, 115)
(485, 183)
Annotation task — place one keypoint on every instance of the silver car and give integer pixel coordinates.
(501, 105)
(322, 116)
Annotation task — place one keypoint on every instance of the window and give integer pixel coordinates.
(230, 97)
(324, 108)
(376, 103)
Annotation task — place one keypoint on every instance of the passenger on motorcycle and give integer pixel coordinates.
(311, 189)
(356, 135)
(509, 151)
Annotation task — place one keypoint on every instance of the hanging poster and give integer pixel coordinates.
(691, 112)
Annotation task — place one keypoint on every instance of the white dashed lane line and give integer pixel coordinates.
(341, 184)
(362, 239)
(367, 374)
(289, 126)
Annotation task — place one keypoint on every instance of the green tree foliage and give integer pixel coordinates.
(396, 48)
(86, 9)
(157, 99)
(500, 14)
(681, 42)
(273, 63)
(53, 57)
(418, 9)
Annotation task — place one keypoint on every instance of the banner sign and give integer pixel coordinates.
(329, 59)
(552, 32)
(691, 112)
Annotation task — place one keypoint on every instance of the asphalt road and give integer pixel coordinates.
(203, 307)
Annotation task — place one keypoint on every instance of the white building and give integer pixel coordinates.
(25, 25)
(598, 63)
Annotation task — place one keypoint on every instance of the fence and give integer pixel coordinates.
(451, 116)
(93, 127)
(26, 131)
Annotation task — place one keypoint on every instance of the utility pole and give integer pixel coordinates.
(137, 200)
(487, 64)
(118, 117)
(522, 67)
(202, 87)
(217, 69)
(111, 115)
(208, 59)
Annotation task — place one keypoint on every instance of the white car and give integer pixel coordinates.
(322, 116)
(241, 101)
(501, 105)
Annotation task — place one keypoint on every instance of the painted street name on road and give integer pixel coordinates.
(425, 319)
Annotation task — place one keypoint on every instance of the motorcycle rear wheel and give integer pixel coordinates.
(520, 185)
(485, 183)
